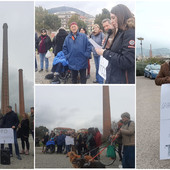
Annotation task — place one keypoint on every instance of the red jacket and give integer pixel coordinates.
(97, 139)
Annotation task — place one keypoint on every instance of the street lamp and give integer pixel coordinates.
(141, 39)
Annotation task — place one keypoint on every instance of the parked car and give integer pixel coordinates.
(152, 70)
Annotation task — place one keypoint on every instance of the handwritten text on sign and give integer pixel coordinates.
(6, 135)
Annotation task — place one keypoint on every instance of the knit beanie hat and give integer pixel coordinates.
(126, 114)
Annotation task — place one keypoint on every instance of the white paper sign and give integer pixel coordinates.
(102, 67)
(165, 122)
(6, 135)
(95, 45)
(69, 140)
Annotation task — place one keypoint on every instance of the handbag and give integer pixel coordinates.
(48, 54)
(111, 151)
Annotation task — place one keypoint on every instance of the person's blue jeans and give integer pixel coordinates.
(97, 62)
(35, 63)
(42, 58)
(128, 160)
(68, 148)
(16, 144)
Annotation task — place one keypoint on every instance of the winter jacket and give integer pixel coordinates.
(61, 139)
(60, 58)
(31, 122)
(97, 139)
(121, 57)
(58, 41)
(77, 50)
(47, 43)
(98, 39)
(10, 119)
(164, 74)
(25, 128)
(128, 133)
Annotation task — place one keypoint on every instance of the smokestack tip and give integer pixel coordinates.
(20, 70)
(5, 25)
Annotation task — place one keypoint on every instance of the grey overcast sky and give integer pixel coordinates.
(153, 23)
(80, 106)
(91, 7)
(20, 19)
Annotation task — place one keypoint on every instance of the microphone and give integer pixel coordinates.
(109, 32)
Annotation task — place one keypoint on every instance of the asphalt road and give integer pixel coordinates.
(27, 161)
(40, 76)
(58, 160)
(148, 125)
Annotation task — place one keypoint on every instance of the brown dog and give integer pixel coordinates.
(77, 161)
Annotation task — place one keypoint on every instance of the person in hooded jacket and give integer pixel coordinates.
(43, 44)
(58, 41)
(121, 54)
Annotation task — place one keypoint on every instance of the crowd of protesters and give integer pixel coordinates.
(77, 51)
(89, 142)
(21, 129)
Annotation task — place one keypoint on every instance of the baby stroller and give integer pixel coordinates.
(50, 145)
(59, 70)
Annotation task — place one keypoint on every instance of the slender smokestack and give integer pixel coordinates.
(21, 93)
(5, 83)
(106, 112)
(15, 108)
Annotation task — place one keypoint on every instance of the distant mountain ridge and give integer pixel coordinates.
(155, 52)
(67, 9)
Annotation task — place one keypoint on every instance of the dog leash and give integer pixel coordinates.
(104, 148)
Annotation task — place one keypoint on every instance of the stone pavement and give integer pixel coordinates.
(40, 76)
(57, 160)
(148, 125)
(27, 161)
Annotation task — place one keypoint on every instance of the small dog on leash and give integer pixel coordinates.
(84, 162)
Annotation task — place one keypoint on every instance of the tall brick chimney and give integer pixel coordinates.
(15, 108)
(21, 93)
(106, 112)
(5, 82)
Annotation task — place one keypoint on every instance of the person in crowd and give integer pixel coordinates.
(84, 139)
(127, 131)
(164, 74)
(98, 36)
(58, 41)
(36, 39)
(43, 44)
(91, 144)
(77, 50)
(121, 54)
(98, 139)
(68, 146)
(45, 139)
(31, 121)
(11, 120)
(25, 134)
(107, 25)
(60, 142)
(52, 134)
(79, 143)
(84, 31)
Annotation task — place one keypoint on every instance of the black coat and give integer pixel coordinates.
(58, 41)
(121, 58)
(25, 128)
(47, 41)
(10, 119)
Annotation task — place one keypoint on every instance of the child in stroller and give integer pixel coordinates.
(59, 69)
(50, 145)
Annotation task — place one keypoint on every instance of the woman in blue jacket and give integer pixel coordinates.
(121, 55)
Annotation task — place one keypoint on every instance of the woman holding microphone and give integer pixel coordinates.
(121, 54)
